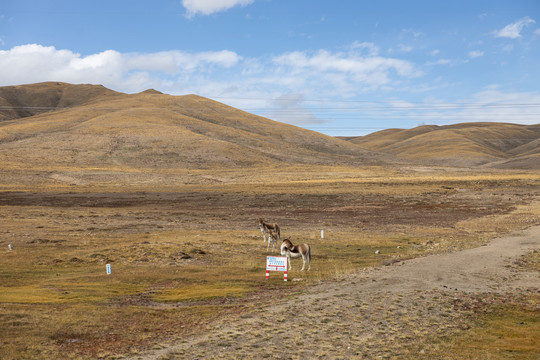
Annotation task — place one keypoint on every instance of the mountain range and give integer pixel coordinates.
(90, 126)
(498, 145)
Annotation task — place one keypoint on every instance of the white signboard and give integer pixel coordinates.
(276, 263)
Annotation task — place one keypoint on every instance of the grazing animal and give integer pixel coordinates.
(294, 251)
(265, 227)
(272, 239)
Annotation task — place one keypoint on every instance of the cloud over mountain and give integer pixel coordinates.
(223, 73)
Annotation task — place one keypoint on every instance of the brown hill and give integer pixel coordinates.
(28, 100)
(52, 125)
(469, 144)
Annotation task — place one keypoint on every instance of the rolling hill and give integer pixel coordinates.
(498, 145)
(55, 125)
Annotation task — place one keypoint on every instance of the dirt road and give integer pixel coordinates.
(378, 313)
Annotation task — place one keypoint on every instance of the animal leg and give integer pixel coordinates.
(270, 241)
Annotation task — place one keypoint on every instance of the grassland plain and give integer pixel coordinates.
(187, 258)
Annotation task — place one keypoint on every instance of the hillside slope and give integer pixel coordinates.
(29, 100)
(468, 144)
(88, 126)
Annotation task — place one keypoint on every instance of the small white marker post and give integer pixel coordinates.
(108, 267)
(322, 234)
(276, 263)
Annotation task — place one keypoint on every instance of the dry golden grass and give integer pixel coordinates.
(184, 254)
(466, 144)
(160, 132)
(503, 326)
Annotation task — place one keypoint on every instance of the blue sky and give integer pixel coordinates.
(343, 67)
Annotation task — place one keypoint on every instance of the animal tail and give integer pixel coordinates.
(278, 232)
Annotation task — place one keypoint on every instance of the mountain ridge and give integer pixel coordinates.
(501, 145)
(61, 124)
(101, 127)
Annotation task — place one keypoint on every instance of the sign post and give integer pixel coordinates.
(276, 263)
(108, 268)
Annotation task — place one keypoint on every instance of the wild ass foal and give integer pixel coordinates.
(294, 251)
(266, 227)
(272, 239)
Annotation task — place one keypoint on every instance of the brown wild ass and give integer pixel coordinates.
(265, 227)
(294, 251)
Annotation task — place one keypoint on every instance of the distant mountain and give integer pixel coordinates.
(87, 126)
(498, 145)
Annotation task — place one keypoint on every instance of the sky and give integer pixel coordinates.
(342, 67)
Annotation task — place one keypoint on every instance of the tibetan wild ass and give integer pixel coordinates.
(272, 239)
(265, 227)
(294, 251)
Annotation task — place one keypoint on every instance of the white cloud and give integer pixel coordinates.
(173, 62)
(207, 7)
(371, 71)
(124, 72)
(212, 73)
(371, 48)
(475, 54)
(513, 31)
